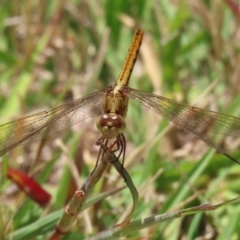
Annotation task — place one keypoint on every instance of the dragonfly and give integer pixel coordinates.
(111, 124)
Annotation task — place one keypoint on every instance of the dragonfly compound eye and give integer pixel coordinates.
(110, 125)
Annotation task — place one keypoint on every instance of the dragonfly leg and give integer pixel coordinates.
(121, 146)
(120, 142)
(101, 141)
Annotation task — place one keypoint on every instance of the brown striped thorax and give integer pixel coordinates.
(112, 122)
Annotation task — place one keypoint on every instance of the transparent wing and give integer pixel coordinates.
(47, 123)
(195, 120)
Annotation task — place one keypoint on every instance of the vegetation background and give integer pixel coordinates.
(56, 50)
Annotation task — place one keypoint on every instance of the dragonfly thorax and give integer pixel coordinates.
(110, 125)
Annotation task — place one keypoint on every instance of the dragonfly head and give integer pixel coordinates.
(110, 125)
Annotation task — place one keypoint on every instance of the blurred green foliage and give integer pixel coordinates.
(53, 50)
